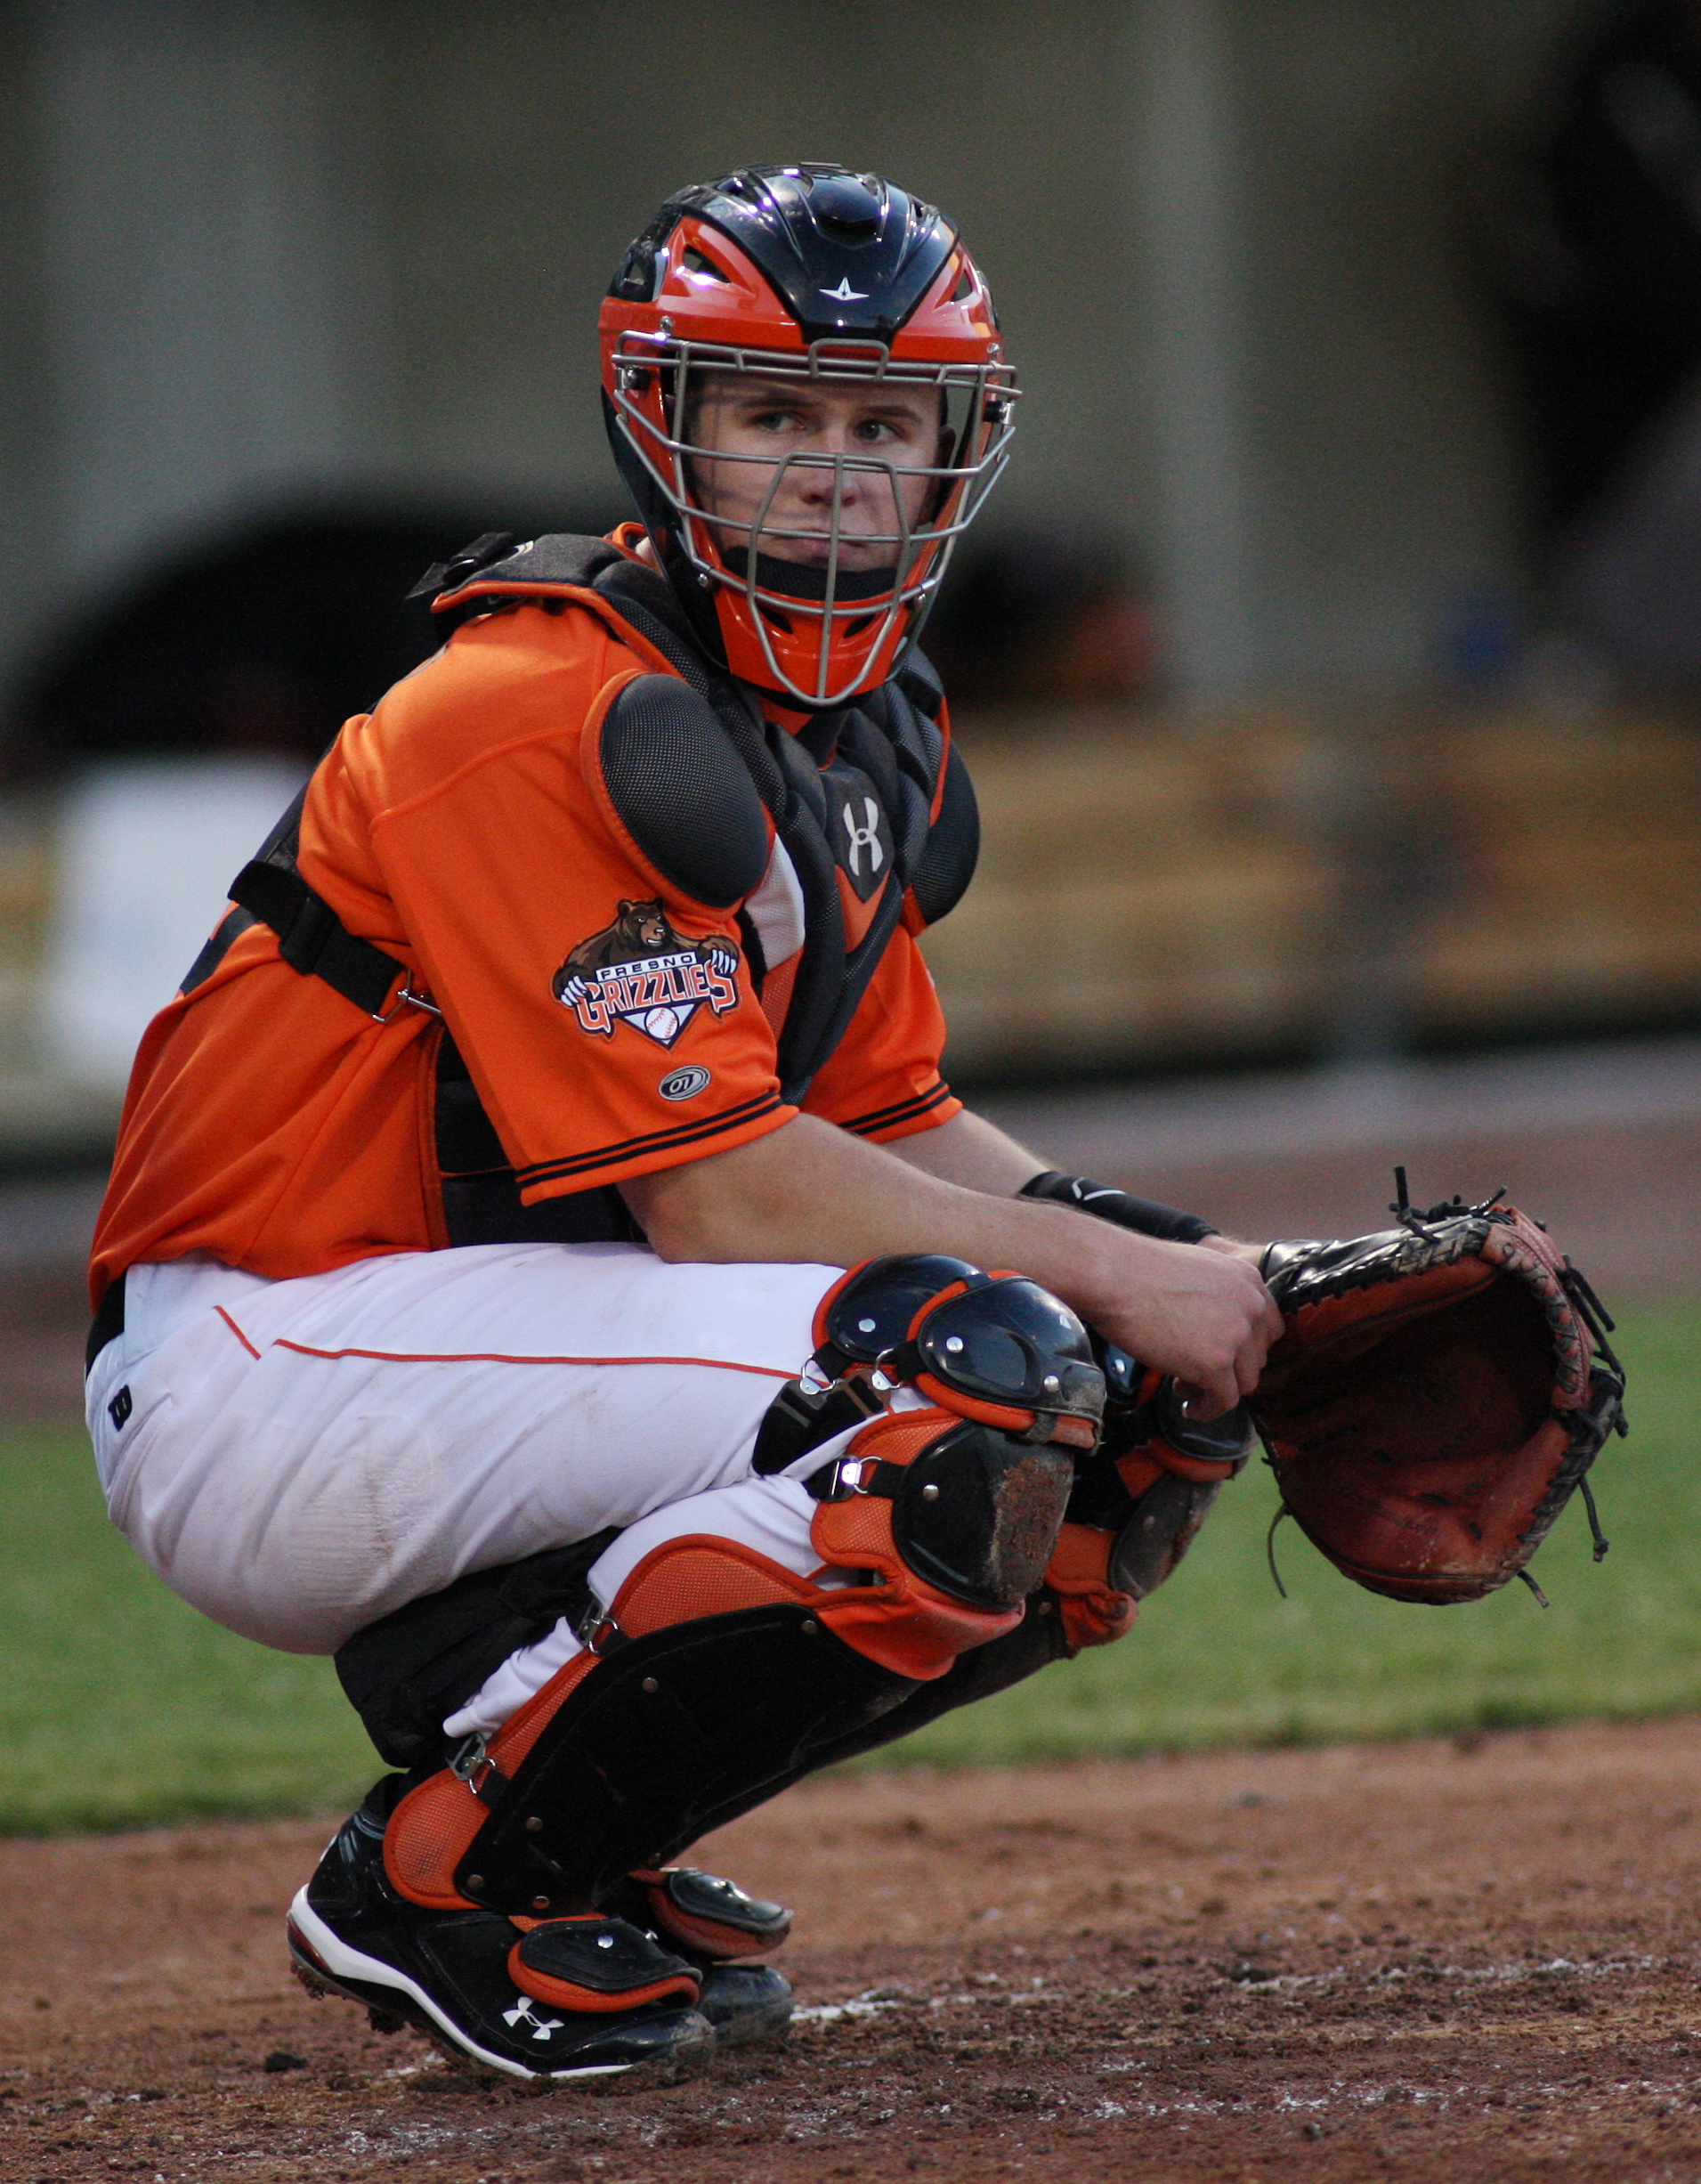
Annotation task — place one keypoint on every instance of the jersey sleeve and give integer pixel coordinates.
(608, 1022)
(883, 1080)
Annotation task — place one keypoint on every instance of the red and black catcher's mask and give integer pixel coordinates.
(798, 276)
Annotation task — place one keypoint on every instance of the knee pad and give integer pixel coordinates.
(946, 1515)
(945, 1526)
(993, 1347)
(1138, 1504)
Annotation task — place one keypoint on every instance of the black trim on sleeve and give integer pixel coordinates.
(900, 1111)
(654, 1140)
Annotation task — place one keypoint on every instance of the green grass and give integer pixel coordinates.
(120, 1706)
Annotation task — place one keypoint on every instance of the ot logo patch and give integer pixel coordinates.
(639, 971)
(684, 1084)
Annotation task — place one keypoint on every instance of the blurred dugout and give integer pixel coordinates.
(1271, 888)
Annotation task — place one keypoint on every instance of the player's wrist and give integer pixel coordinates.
(1122, 1208)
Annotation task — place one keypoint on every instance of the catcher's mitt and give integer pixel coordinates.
(1438, 1393)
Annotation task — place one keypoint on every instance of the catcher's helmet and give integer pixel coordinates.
(800, 275)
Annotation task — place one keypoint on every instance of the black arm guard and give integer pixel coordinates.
(1149, 1216)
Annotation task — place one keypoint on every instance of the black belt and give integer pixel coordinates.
(109, 1323)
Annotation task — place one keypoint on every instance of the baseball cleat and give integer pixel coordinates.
(745, 2003)
(560, 1999)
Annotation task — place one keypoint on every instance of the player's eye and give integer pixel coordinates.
(901, 429)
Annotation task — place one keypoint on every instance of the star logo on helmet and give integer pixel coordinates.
(844, 293)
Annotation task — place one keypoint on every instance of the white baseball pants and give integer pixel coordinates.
(296, 1458)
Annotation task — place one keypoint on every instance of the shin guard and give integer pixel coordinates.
(1138, 1503)
(717, 1675)
(664, 1738)
(437, 1821)
(945, 1526)
(711, 1675)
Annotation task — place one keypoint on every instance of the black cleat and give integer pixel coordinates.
(707, 1921)
(448, 1973)
(745, 2003)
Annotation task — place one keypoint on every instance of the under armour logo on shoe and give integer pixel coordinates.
(521, 2014)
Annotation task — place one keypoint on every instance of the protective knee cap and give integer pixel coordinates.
(993, 1347)
(950, 1512)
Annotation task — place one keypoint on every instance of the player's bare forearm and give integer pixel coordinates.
(811, 1192)
(971, 1151)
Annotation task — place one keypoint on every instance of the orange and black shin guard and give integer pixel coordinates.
(950, 1514)
(717, 1674)
(435, 1824)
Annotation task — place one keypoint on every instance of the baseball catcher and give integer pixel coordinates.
(544, 1266)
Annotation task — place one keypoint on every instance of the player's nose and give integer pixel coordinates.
(818, 481)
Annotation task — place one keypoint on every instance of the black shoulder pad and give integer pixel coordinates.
(683, 793)
(954, 846)
(557, 557)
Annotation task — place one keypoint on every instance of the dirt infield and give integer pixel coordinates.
(1427, 1961)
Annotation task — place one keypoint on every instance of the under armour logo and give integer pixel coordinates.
(844, 293)
(521, 2014)
(866, 836)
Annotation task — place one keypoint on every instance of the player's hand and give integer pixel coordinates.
(1253, 1253)
(1204, 1315)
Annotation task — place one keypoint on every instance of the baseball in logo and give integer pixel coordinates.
(639, 971)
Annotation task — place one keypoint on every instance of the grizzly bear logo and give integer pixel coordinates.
(638, 971)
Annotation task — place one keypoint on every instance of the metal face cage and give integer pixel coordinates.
(858, 615)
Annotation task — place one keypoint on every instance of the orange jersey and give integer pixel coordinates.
(610, 1025)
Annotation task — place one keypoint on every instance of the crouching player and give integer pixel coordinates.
(544, 1265)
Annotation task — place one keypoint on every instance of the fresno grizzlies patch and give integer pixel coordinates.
(640, 971)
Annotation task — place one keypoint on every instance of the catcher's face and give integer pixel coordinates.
(796, 464)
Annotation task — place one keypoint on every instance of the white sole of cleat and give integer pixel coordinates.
(329, 1959)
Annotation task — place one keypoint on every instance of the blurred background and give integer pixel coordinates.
(1330, 662)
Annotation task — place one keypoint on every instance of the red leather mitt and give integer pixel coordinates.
(1440, 1390)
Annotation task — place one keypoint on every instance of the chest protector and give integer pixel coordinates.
(696, 776)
